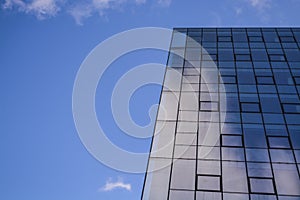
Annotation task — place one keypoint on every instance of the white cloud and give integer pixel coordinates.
(40, 8)
(262, 7)
(84, 10)
(8, 4)
(140, 1)
(165, 3)
(260, 4)
(104, 4)
(109, 186)
(238, 10)
(79, 10)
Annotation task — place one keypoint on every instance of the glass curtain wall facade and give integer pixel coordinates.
(228, 124)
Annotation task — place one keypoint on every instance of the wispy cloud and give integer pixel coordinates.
(260, 4)
(216, 19)
(83, 10)
(238, 10)
(262, 7)
(165, 3)
(40, 8)
(109, 186)
(140, 1)
(79, 10)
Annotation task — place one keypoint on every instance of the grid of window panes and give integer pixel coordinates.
(257, 155)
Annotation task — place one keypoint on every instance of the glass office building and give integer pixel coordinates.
(228, 124)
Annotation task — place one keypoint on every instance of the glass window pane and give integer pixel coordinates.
(184, 152)
(181, 194)
(225, 55)
(178, 39)
(185, 139)
(248, 88)
(282, 156)
(211, 183)
(187, 127)
(208, 153)
(270, 37)
(183, 174)
(233, 154)
(250, 107)
(246, 77)
(231, 140)
(259, 169)
(265, 80)
(209, 167)
(193, 53)
(175, 60)
(255, 39)
(231, 117)
(261, 185)
(235, 196)
(292, 118)
(270, 103)
(294, 132)
(241, 45)
(279, 142)
(257, 155)
(250, 98)
(263, 197)
(230, 128)
(267, 89)
(276, 130)
(155, 185)
(254, 118)
(286, 179)
(189, 101)
(286, 89)
(236, 183)
(259, 55)
(273, 118)
(239, 37)
(200, 195)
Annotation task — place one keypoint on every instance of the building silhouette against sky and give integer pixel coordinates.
(228, 125)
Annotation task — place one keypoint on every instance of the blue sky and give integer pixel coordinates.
(42, 45)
